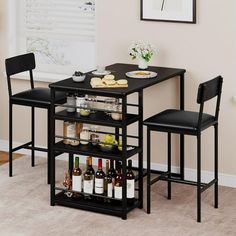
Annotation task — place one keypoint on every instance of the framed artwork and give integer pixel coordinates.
(183, 11)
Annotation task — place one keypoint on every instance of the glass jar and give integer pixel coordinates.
(109, 104)
(94, 137)
(117, 113)
(70, 101)
(84, 110)
(84, 135)
(80, 100)
(70, 131)
(92, 103)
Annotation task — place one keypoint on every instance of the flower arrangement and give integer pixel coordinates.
(142, 50)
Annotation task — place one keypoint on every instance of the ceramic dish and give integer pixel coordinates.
(79, 78)
(105, 72)
(141, 74)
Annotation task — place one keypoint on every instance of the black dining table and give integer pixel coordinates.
(119, 70)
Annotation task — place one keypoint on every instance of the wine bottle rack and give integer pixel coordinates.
(116, 207)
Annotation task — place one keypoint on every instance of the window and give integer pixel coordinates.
(61, 33)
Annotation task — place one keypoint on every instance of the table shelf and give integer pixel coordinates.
(98, 118)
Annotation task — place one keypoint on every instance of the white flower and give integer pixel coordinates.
(141, 49)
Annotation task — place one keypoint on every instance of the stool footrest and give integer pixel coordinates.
(21, 146)
(206, 186)
(163, 175)
(28, 146)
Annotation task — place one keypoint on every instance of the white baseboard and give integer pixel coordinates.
(190, 174)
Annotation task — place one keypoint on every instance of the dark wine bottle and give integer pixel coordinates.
(130, 178)
(89, 177)
(108, 186)
(112, 173)
(99, 179)
(77, 177)
(118, 183)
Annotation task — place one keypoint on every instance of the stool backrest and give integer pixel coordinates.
(207, 91)
(19, 64)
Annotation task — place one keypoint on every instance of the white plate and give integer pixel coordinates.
(106, 72)
(141, 74)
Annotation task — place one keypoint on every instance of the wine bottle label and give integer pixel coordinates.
(118, 192)
(130, 188)
(109, 189)
(99, 186)
(88, 186)
(76, 183)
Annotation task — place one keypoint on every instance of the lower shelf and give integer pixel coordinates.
(112, 208)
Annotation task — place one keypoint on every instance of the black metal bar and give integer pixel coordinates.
(48, 145)
(140, 143)
(124, 157)
(199, 178)
(21, 146)
(182, 158)
(158, 178)
(180, 181)
(33, 136)
(148, 170)
(10, 137)
(52, 143)
(71, 163)
(37, 149)
(169, 166)
(216, 165)
(205, 187)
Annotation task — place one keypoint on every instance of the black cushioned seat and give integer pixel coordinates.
(39, 97)
(179, 120)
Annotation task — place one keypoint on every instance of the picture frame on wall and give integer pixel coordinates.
(182, 11)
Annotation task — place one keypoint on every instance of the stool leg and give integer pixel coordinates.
(10, 138)
(169, 166)
(33, 136)
(199, 178)
(49, 149)
(216, 166)
(148, 172)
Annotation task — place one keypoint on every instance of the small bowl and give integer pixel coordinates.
(80, 78)
(107, 148)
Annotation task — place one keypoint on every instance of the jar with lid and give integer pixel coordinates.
(117, 113)
(84, 135)
(70, 133)
(71, 102)
(80, 100)
(84, 110)
(94, 137)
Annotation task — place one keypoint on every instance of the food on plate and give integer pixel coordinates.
(108, 140)
(142, 73)
(96, 81)
(122, 81)
(109, 77)
(109, 82)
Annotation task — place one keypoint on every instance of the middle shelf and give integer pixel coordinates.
(100, 118)
(91, 150)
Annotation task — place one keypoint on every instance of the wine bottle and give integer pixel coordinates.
(99, 179)
(76, 177)
(118, 183)
(89, 177)
(112, 173)
(130, 181)
(108, 186)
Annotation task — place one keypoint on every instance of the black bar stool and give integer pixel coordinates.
(189, 123)
(34, 97)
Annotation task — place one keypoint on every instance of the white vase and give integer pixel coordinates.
(142, 63)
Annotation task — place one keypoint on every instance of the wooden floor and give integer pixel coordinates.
(4, 157)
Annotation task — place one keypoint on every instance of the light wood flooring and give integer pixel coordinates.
(4, 157)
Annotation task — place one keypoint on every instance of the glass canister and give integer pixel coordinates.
(117, 113)
(69, 131)
(84, 135)
(94, 137)
(92, 103)
(71, 101)
(80, 100)
(84, 110)
(109, 104)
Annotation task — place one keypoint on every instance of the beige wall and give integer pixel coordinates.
(204, 50)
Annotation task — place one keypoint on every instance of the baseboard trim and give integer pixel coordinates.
(190, 174)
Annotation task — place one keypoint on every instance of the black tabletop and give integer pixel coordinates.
(119, 71)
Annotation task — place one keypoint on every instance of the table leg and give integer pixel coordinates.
(182, 136)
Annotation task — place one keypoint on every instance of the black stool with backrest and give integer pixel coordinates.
(189, 123)
(34, 98)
